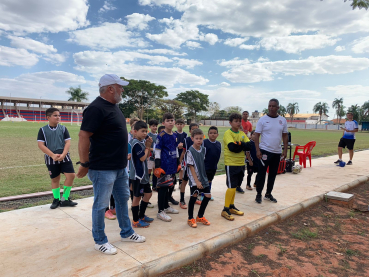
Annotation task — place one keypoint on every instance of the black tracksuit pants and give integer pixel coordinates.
(272, 160)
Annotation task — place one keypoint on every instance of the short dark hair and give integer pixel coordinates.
(234, 116)
(153, 122)
(197, 132)
(245, 112)
(193, 124)
(213, 128)
(50, 111)
(161, 128)
(180, 121)
(252, 132)
(140, 125)
(168, 116)
(274, 100)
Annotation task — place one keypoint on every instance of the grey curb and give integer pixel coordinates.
(190, 254)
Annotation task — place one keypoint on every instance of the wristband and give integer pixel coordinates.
(86, 164)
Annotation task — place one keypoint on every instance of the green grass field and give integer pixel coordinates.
(22, 168)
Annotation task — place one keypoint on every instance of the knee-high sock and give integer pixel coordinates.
(154, 181)
(232, 201)
(66, 192)
(204, 203)
(228, 197)
(135, 211)
(143, 207)
(182, 197)
(56, 193)
(171, 189)
(191, 205)
(131, 193)
(166, 197)
(161, 199)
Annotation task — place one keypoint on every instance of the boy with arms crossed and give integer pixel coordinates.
(54, 140)
(199, 183)
(235, 145)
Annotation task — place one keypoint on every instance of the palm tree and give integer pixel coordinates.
(355, 109)
(76, 94)
(292, 109)
(336, 104)
(265, 111)
(321, 108)
(282, 111)
(365, 108)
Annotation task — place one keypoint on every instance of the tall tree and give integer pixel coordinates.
(213, 109)
(196, 101)
(361, 4)
(141, 95)
(336, 104)
(234, 109)
(292, 109)
(365, 108)
(355, 109)
(265, 111)
(172, 106)
(321, 108)
(282, 111)
(76, 94)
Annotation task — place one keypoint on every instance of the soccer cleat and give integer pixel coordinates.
(338, 161)
(227, 216)
(114, 212)
(140, 224)
(55, 204)
(147, 219)
(134, 238)
(174, 202)
(270, 198)
(150, 205)
(110, 215)
(68, 203)
(192, 223)
(236, 211)
(240, 190)
(183, 205)
(163, 216)
(106, 248)
(248, 187)
(202, 220)
(349, 163)
(258, 199)
(170, 210)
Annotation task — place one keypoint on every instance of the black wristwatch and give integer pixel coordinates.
(86, 164)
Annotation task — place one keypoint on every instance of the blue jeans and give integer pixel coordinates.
(106, 182)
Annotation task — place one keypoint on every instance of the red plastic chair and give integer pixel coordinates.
(305, 153)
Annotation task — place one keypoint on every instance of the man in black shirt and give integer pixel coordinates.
(103, 150)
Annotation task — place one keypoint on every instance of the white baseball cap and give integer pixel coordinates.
(110, 79)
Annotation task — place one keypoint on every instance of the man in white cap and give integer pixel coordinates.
(103, 150)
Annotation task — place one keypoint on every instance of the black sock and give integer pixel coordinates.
(179, 182)
(182, 196)
(170, 192)
(203, 205)
(131, 193)
(154, 181)
(233, 207)
(112, 202)
(166, 197)
(191, 205)
(161, 199)
(226, 209)
(135, 211)
(143, 207)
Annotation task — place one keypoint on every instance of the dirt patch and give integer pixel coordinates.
(327, 240)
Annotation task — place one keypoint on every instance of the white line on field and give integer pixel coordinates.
(21, 166)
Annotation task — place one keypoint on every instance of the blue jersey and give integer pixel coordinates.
(168, 146)
(350, 126)
(181, 138)
(213, 152)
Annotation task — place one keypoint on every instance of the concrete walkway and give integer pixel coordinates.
(38, 241)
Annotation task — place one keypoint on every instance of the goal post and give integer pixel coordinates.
(76, 117)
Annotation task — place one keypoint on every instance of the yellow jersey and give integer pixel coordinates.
(232, 158)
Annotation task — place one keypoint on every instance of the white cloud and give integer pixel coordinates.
(361, 45)
(193, 44)
(262, 59)
(210, 38)
(188, 63)
(122, 63)
(234, 42)
(243, 71)
(108, 6)
(106, 36)
(55, 58)
(30, 44)
(224, 84)
(36, 16)
(249, 47)
(296, 44)
(12, 57)
(359, 92)
(161, 51)
(340, 48)
(139, 21)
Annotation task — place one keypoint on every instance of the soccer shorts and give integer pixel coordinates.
(195, 189)
(234, 175)
(349, 143)
(210, 174)
(139, 189)
(57, 168)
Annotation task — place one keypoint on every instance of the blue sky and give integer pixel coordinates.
(239, 52)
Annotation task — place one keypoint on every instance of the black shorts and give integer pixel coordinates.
(139, 189)
(234, 175)
(194, 190)
(210, 174)
(56, 169)
(251, 169)
(349, 143)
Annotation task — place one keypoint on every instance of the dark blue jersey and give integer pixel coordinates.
(181, 138)
(188, 143)
(168, 146)
(213, 152)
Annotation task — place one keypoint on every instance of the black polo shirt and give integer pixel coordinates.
(109, 142)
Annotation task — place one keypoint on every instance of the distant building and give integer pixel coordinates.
(307, 118)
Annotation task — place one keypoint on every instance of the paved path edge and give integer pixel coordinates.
(190, 254)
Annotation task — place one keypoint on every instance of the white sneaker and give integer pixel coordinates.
(106, 248)
(163, 216)
(134, 238)
(170, 210)
(150, 205)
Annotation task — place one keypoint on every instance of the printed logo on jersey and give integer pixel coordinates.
(280, 122)
(264, 157)
(172, 153)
